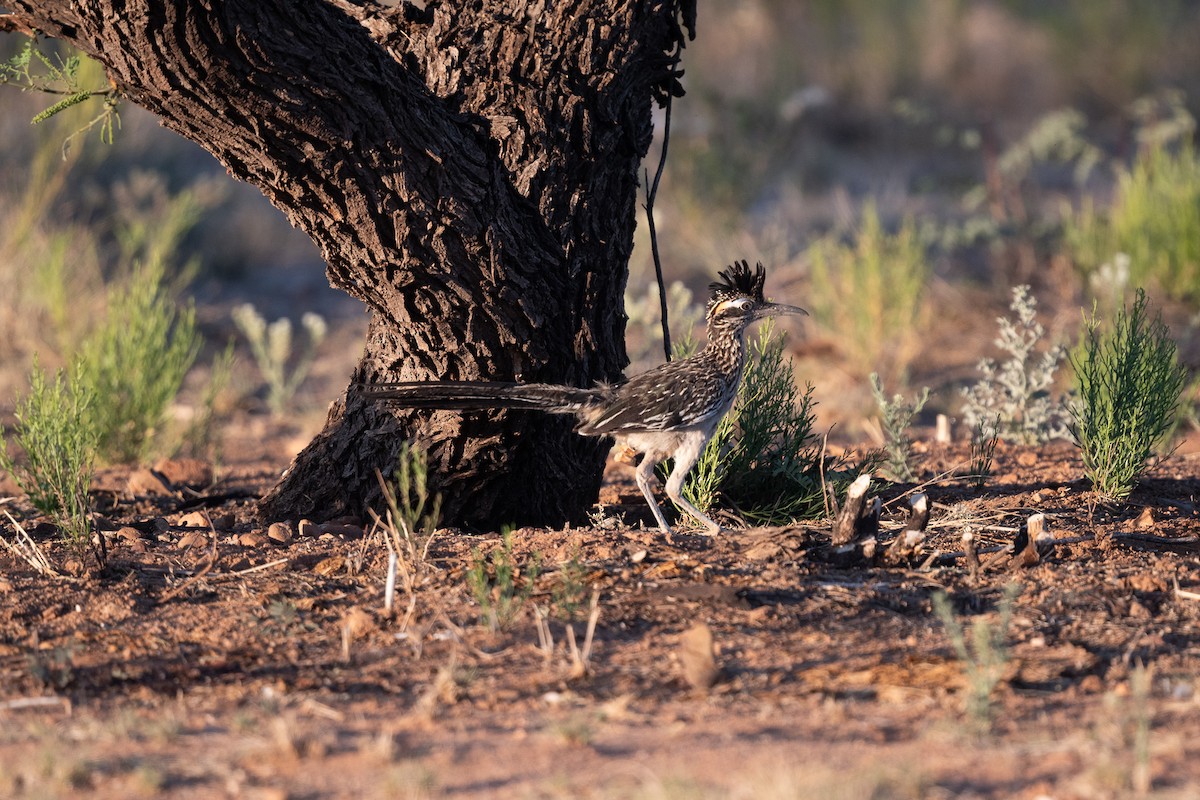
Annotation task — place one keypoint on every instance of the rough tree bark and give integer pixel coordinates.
(468, 170)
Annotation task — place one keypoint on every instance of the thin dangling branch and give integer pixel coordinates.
(651, 194)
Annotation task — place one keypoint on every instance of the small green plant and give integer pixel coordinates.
(1154, 221)
(500, 585)
(984, 656)
(870, 294)
(272, 348)
(763, 459)
(983, 448)
(1128, 382)
(60, 451)
(134, 364)
(896, 415)
(410, 521)
(1016, 396)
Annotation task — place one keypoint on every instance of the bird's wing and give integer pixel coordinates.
(668, 397)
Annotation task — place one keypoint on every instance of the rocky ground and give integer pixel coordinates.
(213, 658)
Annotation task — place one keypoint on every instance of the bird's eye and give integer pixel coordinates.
(739, 303)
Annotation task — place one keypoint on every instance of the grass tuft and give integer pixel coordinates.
(1154, 221)
(410, 521)
(870, 293)
(60, 453)
(1129, 383)
(984, 654)
(133, 365)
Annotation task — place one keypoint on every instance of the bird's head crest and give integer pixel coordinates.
(738, 281)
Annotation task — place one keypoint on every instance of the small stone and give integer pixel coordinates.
(639, 556)
(103, 523)
(194, 519)
(192, 539)
(129, 534)
(1027, 458)
(330, 566)
(143, 482)
(190, 472)
(699, 662)
(280, 532)
(308, 528)
(1145, 520)
(252, 539)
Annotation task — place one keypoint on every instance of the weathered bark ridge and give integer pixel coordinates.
(469, 172)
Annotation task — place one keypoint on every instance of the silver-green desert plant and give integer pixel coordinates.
(271, 345)
(984, 653)
(1017, 395)
(895, 417)
(1128, 380)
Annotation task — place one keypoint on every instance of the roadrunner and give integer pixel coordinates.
(670, 411)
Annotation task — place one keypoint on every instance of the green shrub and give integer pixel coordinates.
(1128, 382)
(60, 450)
(1154, 220)
(763, 460)
(134, 364)
(870, 294)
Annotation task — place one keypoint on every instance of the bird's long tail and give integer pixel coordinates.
(467, 395)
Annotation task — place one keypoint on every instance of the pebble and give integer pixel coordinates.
(194, 519)
(129, 534)
(252, 539)
(192, 539)
(280, 532)
(222, 522)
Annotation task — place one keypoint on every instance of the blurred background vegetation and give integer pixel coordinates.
(899, 165)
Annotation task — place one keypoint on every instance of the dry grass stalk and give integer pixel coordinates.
(26, 549)
(581, 659)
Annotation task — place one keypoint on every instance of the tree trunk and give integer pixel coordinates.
(470, 173)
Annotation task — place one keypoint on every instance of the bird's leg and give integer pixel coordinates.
(675, 492)
(686, 456)
(643, 476)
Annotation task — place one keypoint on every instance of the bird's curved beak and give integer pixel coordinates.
(777, 309)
